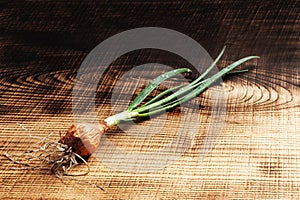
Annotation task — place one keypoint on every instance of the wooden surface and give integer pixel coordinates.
(257, 155)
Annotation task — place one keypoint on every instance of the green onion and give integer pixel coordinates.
(81, 140)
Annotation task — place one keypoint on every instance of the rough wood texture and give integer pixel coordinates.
(256, 156)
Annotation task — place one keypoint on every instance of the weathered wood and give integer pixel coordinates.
(257, 154)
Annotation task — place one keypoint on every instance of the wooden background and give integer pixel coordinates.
(257, 155)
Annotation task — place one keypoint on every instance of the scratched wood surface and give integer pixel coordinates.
(256, 155)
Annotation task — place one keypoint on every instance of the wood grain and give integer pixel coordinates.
(43, 43)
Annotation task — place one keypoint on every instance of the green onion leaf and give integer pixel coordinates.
(190, 91)
(210, 67)
(153, 84)
(160, 95)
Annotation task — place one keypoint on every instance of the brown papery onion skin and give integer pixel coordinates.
(84, 138)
